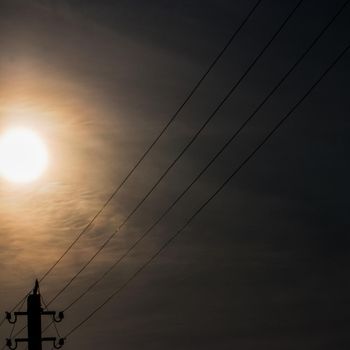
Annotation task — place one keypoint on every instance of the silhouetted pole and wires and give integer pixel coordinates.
(219, 189)
(181, 153)
(34, 310)
(215, 157)
(151, 146)
(34, 313)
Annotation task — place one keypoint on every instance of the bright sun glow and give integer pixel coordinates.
(23, 155)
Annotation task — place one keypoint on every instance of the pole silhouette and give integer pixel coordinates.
(34, 313)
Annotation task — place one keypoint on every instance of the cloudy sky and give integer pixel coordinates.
(265, 265)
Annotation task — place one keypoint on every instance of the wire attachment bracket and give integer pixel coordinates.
(56, 345)
(9, 344)
(56, 316)
(9, 317)
(59, 344)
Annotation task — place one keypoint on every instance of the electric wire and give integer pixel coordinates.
(25, 326)
(14, 326)
(179, 156)
(144, 155)
(213, 159)
(223, 185)
(54, 323)
(15, 307)
(151, 146)
(268, 135)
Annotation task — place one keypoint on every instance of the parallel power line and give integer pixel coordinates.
(165, 128)
(52, 323)
(180, 155)
(148, 150)
(209, 164)
(308, 91)
(18, 305)
(223, 185)
(14, 326)
(214, 158)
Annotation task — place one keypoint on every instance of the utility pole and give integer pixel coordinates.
(34, 313)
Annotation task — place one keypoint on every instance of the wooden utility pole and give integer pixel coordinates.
(34, 313)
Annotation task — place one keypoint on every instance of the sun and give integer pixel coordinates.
(23, 155)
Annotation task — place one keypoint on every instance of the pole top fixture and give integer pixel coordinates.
(36, 287)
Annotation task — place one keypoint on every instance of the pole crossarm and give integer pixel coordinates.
(34, 314)
(56, 316)
(56, 345)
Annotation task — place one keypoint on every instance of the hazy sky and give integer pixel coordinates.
(265, 265)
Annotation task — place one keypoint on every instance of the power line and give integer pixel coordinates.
(223, 185)
(179, 156)
(14, 308)
(51, 323)
(172, 119)
(221, 150)
(16, 334)
(14, 325)
(144, 155)
(25, 326)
